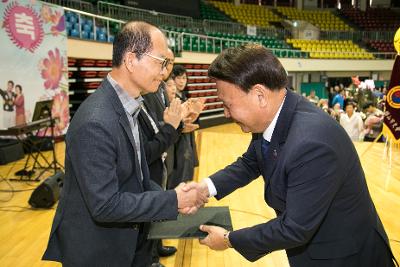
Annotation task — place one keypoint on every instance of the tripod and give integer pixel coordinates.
(54, 164)
(36, 146)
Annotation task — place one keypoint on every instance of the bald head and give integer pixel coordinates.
(136, 37)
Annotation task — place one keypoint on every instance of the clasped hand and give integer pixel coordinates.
(191, 197)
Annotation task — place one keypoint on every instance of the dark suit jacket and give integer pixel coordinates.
(155, 103)
(315, 183)
(103, 194)
(156, 144)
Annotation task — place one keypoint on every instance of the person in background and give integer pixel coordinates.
(157, 139)
(352, 122)
(170, 88)
(373, 122)
(19, 103)
(323, 104)
(185, 148)
(336, 112)
(339, 98)
(161, 162)
(8, 105)
(158, 101)
(313, 98)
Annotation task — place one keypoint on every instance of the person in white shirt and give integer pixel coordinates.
(352, 122)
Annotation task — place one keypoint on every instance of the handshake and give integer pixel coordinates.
(191, 197)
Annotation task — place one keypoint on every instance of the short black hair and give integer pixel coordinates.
(248, 65)
(178, 70)
(133, 37)
(368, 104)
(349, 103)
(19, 86)
(11, 82)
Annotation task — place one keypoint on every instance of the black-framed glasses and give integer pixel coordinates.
(164, 61)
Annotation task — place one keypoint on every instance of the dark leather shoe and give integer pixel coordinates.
(157, 264)
(165, 251)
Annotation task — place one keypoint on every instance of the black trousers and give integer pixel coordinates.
(144, 248)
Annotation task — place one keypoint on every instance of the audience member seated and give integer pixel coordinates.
(373, 123)
(313, 98)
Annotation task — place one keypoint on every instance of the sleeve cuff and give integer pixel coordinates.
(211, 187)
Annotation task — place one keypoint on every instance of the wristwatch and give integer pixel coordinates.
(226, 239)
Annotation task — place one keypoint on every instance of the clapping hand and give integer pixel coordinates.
(192, 109)
(190, 127)
(173, 113)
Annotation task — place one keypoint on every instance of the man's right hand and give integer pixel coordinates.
(190, 198)
(173, 113)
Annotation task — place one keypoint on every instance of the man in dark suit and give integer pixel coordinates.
(157, 139)
(108, 199)
(156, 103)
(312, 173)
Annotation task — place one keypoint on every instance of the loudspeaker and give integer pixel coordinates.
(10, 150)
(48, 192)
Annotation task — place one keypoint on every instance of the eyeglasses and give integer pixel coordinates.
(164, 61)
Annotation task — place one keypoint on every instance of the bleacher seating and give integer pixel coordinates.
(335, 49)
(195, 39)
(325, 20)
(210, 12)
(83, 27)
(373, 18)
(381, 46)
(248, 14)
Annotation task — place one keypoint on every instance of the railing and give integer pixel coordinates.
(153, 17)
(96, 22)
(205, 43)
(206, 26)
(357, 36)
(75, 4)
(223, 26)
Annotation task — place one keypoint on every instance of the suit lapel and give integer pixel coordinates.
(280, 132)
(166, 98)
(159, 98)
(123, 121)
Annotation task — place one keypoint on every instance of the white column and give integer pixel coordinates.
(363, 4)
(299, 4)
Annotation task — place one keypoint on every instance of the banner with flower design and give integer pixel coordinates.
(33, 62)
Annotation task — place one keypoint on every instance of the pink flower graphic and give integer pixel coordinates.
(61, 111)
(52, 69)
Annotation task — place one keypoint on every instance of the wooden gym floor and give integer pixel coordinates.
(24, 232)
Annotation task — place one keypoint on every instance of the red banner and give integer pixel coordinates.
(392, 113)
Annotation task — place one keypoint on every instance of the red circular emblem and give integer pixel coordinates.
(23, 26)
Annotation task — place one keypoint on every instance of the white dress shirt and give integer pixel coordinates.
(267, 135)
(353, 125)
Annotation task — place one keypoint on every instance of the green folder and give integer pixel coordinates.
(187, 226)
